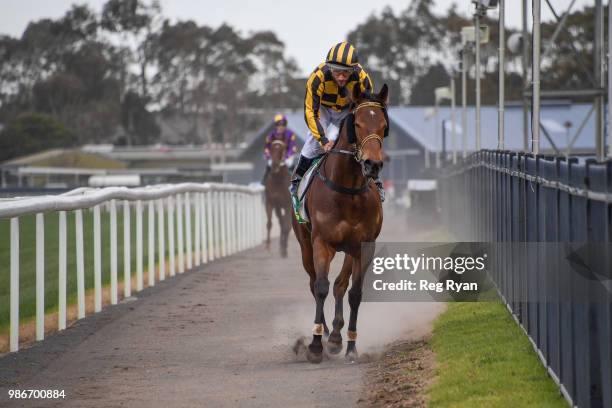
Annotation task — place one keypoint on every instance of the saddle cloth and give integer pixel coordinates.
(303, 188)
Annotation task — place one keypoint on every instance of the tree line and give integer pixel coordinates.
(110, 76)
(99, 77)
(416, 51)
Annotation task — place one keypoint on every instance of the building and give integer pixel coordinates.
(416, 131)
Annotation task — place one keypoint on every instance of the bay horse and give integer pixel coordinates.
(345, 211)
(277, 194)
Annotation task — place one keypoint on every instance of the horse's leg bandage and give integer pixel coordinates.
(318, 330)
(352, 335)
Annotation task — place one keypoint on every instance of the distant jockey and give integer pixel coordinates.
(280, 132)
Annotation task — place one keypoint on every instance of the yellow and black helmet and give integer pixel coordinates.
(342, 56)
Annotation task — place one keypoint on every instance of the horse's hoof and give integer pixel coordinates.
(333, 347)
(315, 353)
(351, 357)
(314, 358)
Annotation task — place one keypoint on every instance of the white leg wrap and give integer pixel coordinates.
(352, 335)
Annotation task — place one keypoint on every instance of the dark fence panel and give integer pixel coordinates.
(515, 201)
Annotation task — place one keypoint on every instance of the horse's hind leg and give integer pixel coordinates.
(323, 256)
(334, 345)
(269, 223)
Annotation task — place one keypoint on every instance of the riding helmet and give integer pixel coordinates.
(280, 119)
(342, 56)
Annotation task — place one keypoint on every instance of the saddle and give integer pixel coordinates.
(303, 189)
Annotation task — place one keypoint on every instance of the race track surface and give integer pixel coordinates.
(219, 336)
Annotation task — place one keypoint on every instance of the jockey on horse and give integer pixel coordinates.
(326, 105)
(285, 135)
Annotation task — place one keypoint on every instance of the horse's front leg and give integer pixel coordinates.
(354, 300)
(322, 255)
(284, 227)
(360, 263)
(334, 344)
(269, 223)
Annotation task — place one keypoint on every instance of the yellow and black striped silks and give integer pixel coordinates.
(322, 90)
(343, 54)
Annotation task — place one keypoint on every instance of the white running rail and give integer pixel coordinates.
(228, 218)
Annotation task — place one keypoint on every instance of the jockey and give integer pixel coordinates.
(326, 104)
(280, 132)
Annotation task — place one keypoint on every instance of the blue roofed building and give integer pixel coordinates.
(413, 132)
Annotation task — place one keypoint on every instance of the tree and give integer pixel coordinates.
(135, 21)
(137, 120)
(34, 132)
(423, 91)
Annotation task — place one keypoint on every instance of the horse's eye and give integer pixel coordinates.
(357, 125)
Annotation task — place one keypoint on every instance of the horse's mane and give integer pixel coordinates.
(365, 96)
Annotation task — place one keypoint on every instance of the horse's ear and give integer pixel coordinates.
(349, 123)
(383, 95)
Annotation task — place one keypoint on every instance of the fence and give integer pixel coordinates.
(204, 222)
(522, 203)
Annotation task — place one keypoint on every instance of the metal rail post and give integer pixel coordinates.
(453, 121)
(502, 75)
(477, 65)
(609, 79)
(535, 104)
(525, 63)
(464, 101)
(599, 75)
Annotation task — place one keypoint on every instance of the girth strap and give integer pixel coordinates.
(341, 189)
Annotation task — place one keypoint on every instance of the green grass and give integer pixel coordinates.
(485, 360)
(27, 258)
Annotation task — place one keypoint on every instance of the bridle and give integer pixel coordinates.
(284, 146)
(357, 153)
(371, 136)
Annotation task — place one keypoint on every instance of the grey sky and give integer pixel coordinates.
(307, 28)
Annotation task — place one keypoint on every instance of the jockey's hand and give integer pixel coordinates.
(328, 146)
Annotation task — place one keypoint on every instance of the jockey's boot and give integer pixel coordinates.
(301, 168)
(263, 179)
(381, 190)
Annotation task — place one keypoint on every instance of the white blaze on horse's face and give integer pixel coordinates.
(370, 127)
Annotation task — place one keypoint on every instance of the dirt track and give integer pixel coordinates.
(219, 336)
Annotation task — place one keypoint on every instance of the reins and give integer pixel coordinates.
(356, 153)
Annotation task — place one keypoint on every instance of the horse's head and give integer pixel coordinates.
(277, 155)
(367, 126)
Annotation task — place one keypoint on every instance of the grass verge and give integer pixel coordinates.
(483, 359)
